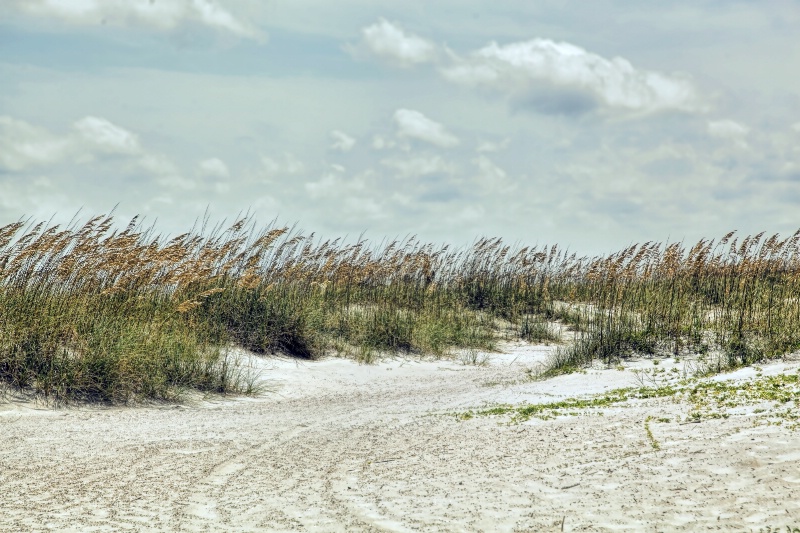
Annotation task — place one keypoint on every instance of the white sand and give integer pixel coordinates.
(337, 446)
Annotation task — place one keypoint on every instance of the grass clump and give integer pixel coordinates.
(92, 312)
(89, 312)
(537, 330)
(737, 297)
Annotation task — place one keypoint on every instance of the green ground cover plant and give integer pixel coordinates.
(91, 311)
(776, 399)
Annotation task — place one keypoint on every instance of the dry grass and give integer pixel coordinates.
(91, 312)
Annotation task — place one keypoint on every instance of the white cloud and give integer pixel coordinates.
(162, 15)
(288, 164)
(490, 179)
(553, 76)
(489, 146)
(345, 196)
(796, 127)
(214, 168)
(563, 77)
(389, 42)
(348, 199)
(23, 145)
(414, 125)
(414, 167)
(341, 141)
(107, 137)
(488, 170)
(166, 172)
(379, 142)
(366, 208)
(470, 214)
(330, 182)
(727, 129)
(267, 204)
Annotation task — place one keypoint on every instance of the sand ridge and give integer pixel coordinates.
(337, 446)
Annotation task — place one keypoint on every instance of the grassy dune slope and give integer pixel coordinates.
(92, 313)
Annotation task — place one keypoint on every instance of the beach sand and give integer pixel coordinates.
(337, 446)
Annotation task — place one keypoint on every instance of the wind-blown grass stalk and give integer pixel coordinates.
(90, 312)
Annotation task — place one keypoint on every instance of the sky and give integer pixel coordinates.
(594, 125)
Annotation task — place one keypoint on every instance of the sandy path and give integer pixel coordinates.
(342, 447)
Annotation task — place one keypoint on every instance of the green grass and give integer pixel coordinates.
(704, 398)
(537, 330)
(653, 442)
(90, 312)
(570, 406)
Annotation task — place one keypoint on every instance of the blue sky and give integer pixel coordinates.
(592, 125)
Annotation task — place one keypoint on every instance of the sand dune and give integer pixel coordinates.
(337, 446)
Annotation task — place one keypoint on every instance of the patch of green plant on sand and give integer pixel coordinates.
(778, 396)
(570, 406)
(653, 442)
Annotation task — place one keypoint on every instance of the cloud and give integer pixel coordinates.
(388, 42)
(331, 182)
(347, 198)
(341, 141)
(490, 146)
(214, 168)
(415, 167)
(288, 164)
(727, 129)
(549, 76)
(488, 170)
(107, 137)
(561, 77)
(414, 125)
(24, 146)
(163, 15)
(166, 172)
(490, 179)
(796, 127)
(379, 142)
(425, 179)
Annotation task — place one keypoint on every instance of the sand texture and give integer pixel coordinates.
(337, 446)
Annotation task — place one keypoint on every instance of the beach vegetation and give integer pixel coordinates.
(97, 311)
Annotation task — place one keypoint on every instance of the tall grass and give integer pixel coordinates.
(738, 297)
(91, 312)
